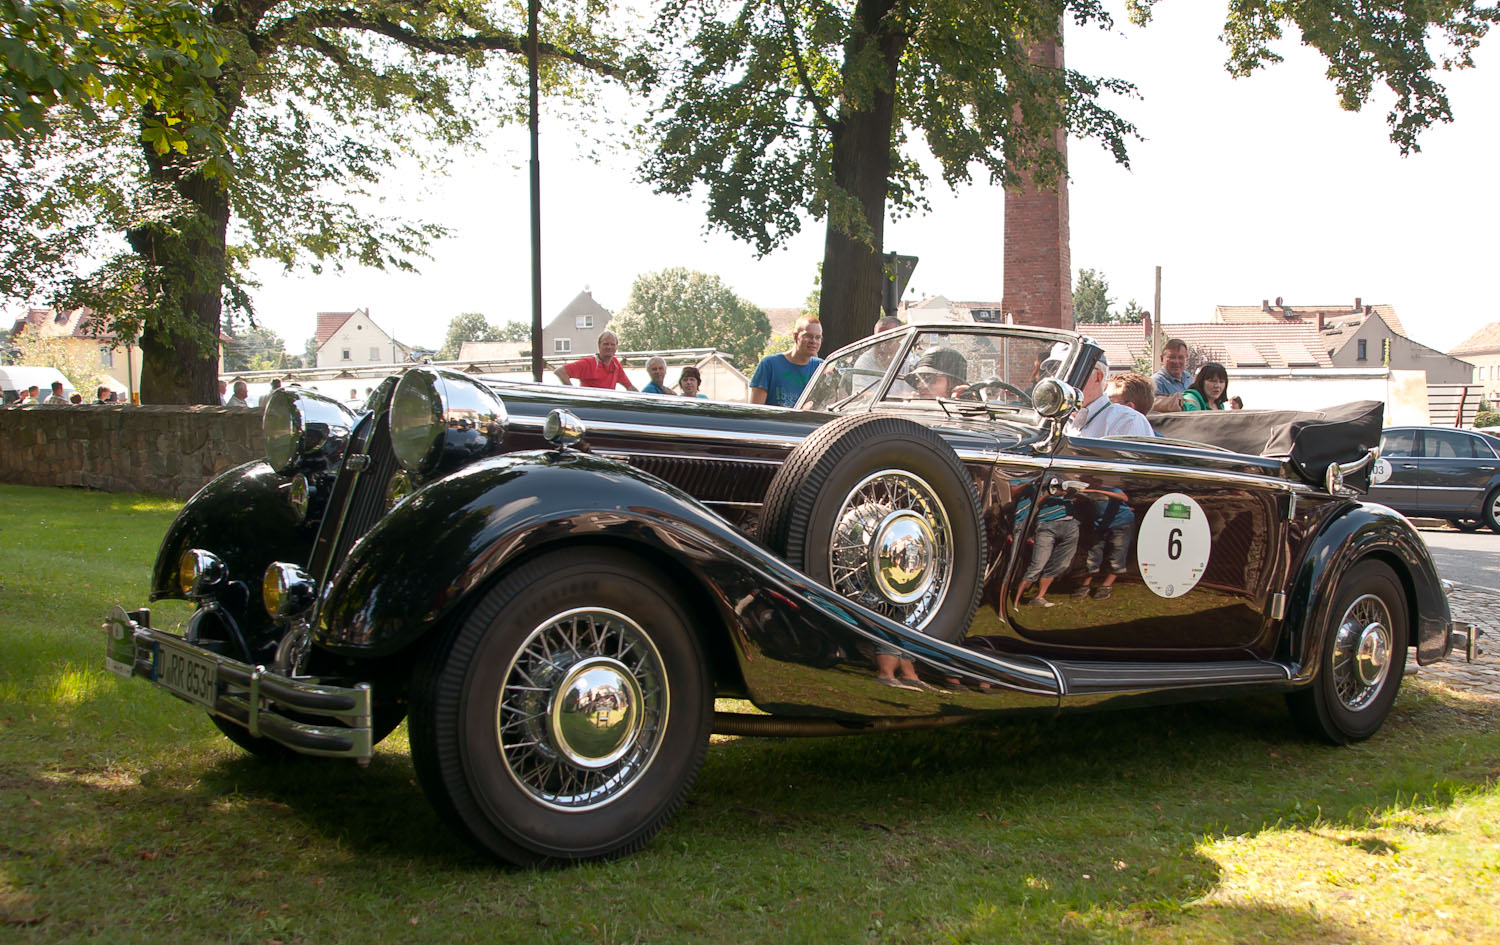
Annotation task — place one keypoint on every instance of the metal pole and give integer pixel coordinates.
(537, 362)
(1156, 330)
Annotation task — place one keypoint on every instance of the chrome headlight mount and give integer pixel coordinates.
(1054, 401)
(442, 419)
(305, 431)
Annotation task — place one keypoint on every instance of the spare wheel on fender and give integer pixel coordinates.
(882, 510)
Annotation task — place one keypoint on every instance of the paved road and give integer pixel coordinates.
(1472, 558)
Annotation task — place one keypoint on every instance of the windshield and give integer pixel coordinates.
(990, 367)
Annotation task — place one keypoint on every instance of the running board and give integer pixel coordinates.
(1089, 678)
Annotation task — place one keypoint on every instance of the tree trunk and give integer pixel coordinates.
(853, 266)
(180, 333)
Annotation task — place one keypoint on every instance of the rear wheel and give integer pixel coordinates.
(1491, 510)
(1362, 660)
(567, 716)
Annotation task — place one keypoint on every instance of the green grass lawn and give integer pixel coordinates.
(128, 818)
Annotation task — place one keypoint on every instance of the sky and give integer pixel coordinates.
(1241, 190)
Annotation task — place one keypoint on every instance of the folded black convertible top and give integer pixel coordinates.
(1309, 440)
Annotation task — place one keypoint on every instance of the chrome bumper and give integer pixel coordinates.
(1461, 628)
(300, 713)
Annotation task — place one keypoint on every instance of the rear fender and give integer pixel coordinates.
(1365, 531)
(438, 549)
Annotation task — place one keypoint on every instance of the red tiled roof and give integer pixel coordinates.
(1483, 341)
(1349, 315)
(329, 323)
(1225, 343)
(74, 322)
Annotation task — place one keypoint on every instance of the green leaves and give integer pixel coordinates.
(680, 308)
(1397, 44)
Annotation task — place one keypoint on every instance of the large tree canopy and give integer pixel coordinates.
(782, 109)
(281, 122)
(679, 308)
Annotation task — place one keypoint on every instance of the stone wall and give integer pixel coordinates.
(169, 451)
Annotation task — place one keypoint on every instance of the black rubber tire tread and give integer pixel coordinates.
(794, 493)
(450, 776)
(1466, 524)
(1488, 511)
(1316, 707)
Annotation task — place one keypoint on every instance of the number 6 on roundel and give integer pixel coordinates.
(1173, 544)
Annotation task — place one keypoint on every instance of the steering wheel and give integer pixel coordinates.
(980, 391)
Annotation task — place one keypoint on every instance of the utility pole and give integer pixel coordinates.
(537, 362)
(1156, 331)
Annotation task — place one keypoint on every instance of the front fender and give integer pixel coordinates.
(242, 516)
(428, 557)
(1365, 531)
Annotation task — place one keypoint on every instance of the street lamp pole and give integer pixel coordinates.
(537, 363)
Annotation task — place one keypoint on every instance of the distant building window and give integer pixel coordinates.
(346, 354)
(107, 357)
(374, 354)
(562, 345)
(1361, 354)
(584, 321)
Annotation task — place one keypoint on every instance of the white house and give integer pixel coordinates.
(351, 339)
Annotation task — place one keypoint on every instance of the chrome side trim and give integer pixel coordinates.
(1179, 472)
(1277, 609)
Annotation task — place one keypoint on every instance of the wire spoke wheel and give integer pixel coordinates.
(1362, 652)
(892, 547)
(583, 708)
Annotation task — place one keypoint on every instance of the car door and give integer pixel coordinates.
(1195, 538)
(1456, 469)
(1395, 480)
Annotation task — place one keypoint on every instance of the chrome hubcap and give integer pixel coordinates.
(595, 713)
(892, 548)
(1362, 652)
(583, 709)
(901, 563)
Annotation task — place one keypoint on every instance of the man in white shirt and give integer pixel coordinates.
(1100, 416)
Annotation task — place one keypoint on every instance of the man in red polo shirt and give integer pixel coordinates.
(602, 370)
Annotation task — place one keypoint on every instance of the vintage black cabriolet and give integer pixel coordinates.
(554, 585)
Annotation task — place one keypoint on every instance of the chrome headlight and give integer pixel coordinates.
(304, 428)
(1052, 398)
(442, 419)
(287, 590)
(199, 572)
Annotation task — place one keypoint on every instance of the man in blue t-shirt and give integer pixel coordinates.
(780, 378)
(1173, 377)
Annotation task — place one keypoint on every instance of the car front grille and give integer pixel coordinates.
(359, 497)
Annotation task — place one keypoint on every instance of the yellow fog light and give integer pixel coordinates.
(199, 572)
(287, 590)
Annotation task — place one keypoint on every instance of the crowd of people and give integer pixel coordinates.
(59, 397)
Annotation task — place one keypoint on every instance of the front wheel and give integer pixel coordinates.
(567, 716)
(1363, 658)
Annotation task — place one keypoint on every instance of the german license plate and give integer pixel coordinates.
(187, 673)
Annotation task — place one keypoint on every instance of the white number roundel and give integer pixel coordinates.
(1172, 544)
(1381, 472)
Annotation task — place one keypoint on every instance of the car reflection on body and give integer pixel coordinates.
(554, 585)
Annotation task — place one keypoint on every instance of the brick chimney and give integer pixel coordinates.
(1357, 301)
(1146, 321)
(1320, 321)
(1038, 266)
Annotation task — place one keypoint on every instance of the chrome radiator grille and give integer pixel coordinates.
(359, 497)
